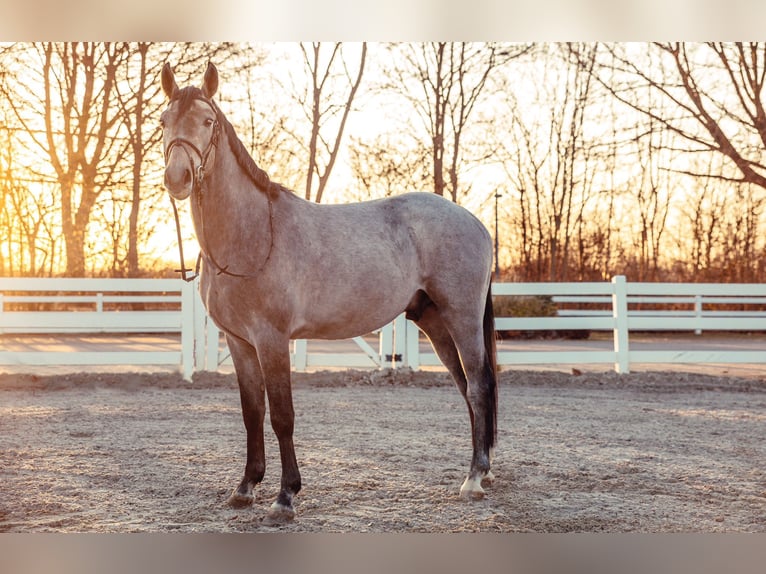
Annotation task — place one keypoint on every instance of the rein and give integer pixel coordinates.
(183, 270)
(198, 190)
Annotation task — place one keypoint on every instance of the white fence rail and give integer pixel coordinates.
(641, 307)
(98, 306)
(130, 306)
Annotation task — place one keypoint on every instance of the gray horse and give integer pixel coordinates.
(276, 267)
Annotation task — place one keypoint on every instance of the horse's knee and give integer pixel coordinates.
(283, 427)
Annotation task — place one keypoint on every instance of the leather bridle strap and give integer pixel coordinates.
(183, 270)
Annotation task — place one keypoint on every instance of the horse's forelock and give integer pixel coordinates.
(185, 97)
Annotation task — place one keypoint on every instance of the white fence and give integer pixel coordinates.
(642, 307)
(131, 306)
(98, 306)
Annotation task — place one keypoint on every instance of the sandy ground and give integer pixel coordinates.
(385, 452)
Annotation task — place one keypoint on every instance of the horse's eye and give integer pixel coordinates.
(209, 122)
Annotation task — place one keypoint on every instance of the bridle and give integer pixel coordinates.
(198, 190)
(198, 174)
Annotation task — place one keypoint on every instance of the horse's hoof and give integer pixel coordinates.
(472, 495)
(471, 489)
(238, 500)
(488, 479)
(279, 514)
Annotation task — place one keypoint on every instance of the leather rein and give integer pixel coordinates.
(198, 190)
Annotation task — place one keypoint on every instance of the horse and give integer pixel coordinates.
(276, 267)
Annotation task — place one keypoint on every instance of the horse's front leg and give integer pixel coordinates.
(251, 392)
(274, 352)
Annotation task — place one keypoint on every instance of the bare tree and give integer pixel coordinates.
(326, 111)
(261, 117)
(551, 163)
(386, 165)
(706, 102)
(713, 95)
(134, 94)
(443, 82)
(721, 243)
(652, 198)
(28, 239)
(75, 96)
(134, 100)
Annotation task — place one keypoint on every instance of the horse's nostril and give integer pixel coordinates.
(187, 178)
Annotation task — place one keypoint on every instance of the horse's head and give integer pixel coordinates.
(190, 131)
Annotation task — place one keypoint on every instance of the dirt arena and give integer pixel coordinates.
(385, 452)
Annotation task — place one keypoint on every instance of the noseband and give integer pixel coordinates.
(198, 173)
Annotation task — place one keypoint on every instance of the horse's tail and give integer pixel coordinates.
(490, 347)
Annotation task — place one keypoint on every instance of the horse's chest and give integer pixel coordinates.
(229, 306)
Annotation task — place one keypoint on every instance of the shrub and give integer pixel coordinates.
(531, 306)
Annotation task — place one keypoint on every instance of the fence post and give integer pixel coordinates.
(620, 314)
(187, 328)
(400, 341)
(300, 354)
(698, 312)
(412, 357)
(386, 344)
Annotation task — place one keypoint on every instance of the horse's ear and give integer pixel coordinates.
(210, 85)
(169, 85)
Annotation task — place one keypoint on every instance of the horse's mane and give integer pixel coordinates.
(257, 175)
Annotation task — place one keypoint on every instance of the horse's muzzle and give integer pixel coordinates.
(179, 175)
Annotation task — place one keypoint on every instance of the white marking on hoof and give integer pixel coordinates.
(279, 514)
(471, 489)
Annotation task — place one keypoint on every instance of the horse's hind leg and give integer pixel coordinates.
(251, 392)
(431, 323)
(481, 388)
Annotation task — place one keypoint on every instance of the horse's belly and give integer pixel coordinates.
(342, 325)
(348, 317)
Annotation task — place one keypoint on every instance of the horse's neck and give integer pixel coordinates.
(232, 217)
